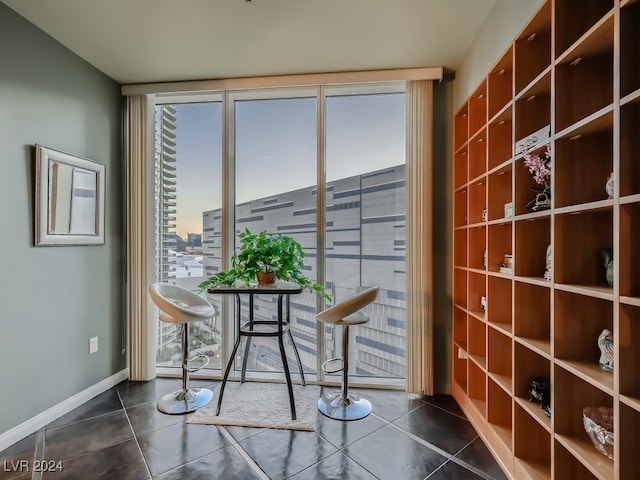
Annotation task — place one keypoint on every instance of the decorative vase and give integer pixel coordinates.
(266, 278)
(606, 254)
(542, 200)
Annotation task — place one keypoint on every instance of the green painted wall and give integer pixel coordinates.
(52, 299)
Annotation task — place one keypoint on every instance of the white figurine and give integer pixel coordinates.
(605, 342)
(548, 264)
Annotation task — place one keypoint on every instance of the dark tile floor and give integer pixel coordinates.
(121, 435)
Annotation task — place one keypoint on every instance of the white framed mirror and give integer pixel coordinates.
(69, 206)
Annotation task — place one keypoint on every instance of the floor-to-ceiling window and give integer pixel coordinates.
(188, 181)
(283, 148)
(365, 223)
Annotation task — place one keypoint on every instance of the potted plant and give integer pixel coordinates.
(266, 257)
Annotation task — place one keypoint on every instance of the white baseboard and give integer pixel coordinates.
(32, 425)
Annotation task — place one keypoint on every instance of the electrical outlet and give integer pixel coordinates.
(93, 345)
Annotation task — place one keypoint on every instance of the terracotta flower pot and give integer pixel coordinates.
(266, 278)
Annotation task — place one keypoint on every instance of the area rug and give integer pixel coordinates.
(263, 405)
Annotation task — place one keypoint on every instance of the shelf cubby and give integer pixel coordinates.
(477, 200)
(629, 177)
(570, 396)
(460, 169)
(478, 342)
(478, 109)
(629, 358)
(461, 127)
(585, 85)
(460, 327)
(460, 288)
(460, 248)
(460, 368)
(499, 309)
(460, 208)
(478, 155)
(477, 388)
(500, 139)
(477, 244)
(499, 363)
(532, 236)
(499, 412)
(567, 466)
(529, 365)
(629, 252)
(499, 192)
(532, 111)
(477, 290)
(499, 245)
(574, 18)
(533, 48)
(532, 447)
(500, 83)
(629, 51)
(583, 163)
(629, 428)
(578, 240)
(578, 321)
(532, 314)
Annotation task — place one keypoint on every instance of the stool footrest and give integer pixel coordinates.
(195, 369)
(325, 369)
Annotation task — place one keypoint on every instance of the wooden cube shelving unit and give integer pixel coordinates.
(577, 76)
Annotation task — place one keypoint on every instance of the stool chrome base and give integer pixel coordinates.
(184, 401)
(340, 407)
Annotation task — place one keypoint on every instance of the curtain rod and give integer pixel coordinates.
(296, 80)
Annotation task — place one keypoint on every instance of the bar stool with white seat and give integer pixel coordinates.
(341, 405)
(178, 305)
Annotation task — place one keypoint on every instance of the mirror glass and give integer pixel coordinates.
(72, 199)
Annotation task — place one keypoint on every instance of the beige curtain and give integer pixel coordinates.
(419, 238)
(139, 208)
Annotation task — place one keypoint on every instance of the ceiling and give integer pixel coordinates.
(147, 41)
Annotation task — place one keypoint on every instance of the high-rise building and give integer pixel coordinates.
(165, 199)
(365, 246)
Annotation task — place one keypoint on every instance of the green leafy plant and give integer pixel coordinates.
(266, 252)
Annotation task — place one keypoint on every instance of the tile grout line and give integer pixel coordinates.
(243, 453)
(38, 455)
(133, 432)
(444, 453)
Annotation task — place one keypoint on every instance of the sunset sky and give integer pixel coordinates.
(276, 147)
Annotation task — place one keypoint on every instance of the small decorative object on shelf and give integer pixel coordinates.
(598, 423)
(484, 258)
(540, 392)
(606, 254)
(484, 214)
(534, 139)
(549, 265)
(605, 343)
(610, 185)
(508, 210)
(483, 303)
(540, 168)
(507, 264)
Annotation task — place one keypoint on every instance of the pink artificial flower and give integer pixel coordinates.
(539, 166)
